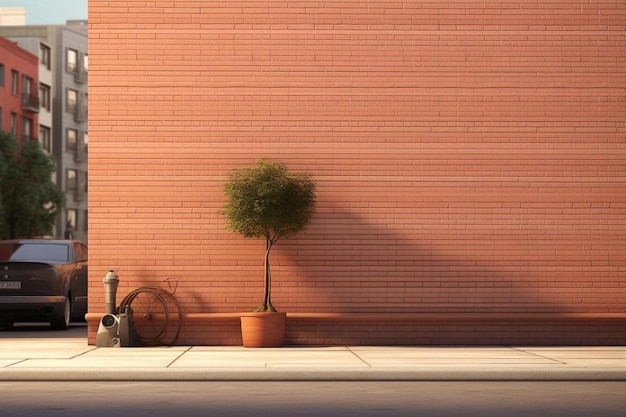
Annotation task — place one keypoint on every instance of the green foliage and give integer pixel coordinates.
(8, 146)
(268, 201)
(29, 200)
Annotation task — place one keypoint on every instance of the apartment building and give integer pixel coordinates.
(12, 16)
(62, 128)
(19, 101)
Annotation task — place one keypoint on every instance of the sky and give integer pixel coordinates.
(50, 12)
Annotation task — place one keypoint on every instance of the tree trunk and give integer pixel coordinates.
(267, 306)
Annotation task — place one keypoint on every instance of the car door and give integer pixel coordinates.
(79, 282)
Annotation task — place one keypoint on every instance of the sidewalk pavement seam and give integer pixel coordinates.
(359, 357)
(84, 353)
(538, 355)
(182, 353)
(16, 363)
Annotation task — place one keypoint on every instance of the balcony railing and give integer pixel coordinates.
(81, 114)
(81, 151)
(28, 138)
(81, 109)
(30, 103)
(80, 76)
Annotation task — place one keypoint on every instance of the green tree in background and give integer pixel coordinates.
(29, 200)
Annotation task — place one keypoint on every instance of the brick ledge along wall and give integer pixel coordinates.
(470, 159)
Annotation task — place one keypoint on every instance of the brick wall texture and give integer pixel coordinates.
(470, 157)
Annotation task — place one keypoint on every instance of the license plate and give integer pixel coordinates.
(10, 285)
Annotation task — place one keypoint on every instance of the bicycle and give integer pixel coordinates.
(156, 314)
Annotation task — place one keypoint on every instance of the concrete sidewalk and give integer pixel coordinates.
(29, 356)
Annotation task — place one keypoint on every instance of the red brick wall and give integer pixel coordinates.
(470, 155)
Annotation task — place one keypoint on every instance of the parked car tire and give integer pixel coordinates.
(62, 321)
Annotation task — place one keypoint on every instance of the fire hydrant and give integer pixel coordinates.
(117, 328)
(108, 331)
(111, 281)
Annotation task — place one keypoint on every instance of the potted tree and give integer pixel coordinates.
(267, 201)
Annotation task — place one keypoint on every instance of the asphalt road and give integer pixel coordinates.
(293, 399)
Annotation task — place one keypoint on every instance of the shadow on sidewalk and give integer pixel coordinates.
(43, 331)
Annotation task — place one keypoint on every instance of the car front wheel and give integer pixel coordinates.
(62, 321)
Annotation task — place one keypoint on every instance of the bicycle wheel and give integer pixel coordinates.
(150, 315)
(174, 318)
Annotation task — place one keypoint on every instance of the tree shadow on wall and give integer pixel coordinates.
(345, 262)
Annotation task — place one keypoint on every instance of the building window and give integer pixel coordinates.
(86, 141)
(84, 104)
(14, 123)
(45, 138)
(72, 217)
(72, 141)
(70, 180)
(86, 62)
(72, 100)
(81, 185)
(72, 60)
(14, 82)
(1, 75)
(44, 97)
(70, 225)
(44, 55)
(27, 84)
(27, 128)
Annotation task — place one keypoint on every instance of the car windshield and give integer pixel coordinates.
(34, 252)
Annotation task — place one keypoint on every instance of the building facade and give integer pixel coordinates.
(469, 158)
(19, 102)
(63, 68)
(12, 16)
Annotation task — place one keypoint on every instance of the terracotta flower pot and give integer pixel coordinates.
(263, 329)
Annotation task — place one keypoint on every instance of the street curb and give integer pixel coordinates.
(308, 374)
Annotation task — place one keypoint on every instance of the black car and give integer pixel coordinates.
(43, 280)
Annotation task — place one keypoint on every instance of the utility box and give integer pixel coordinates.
(127, 332)
(108, 331)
